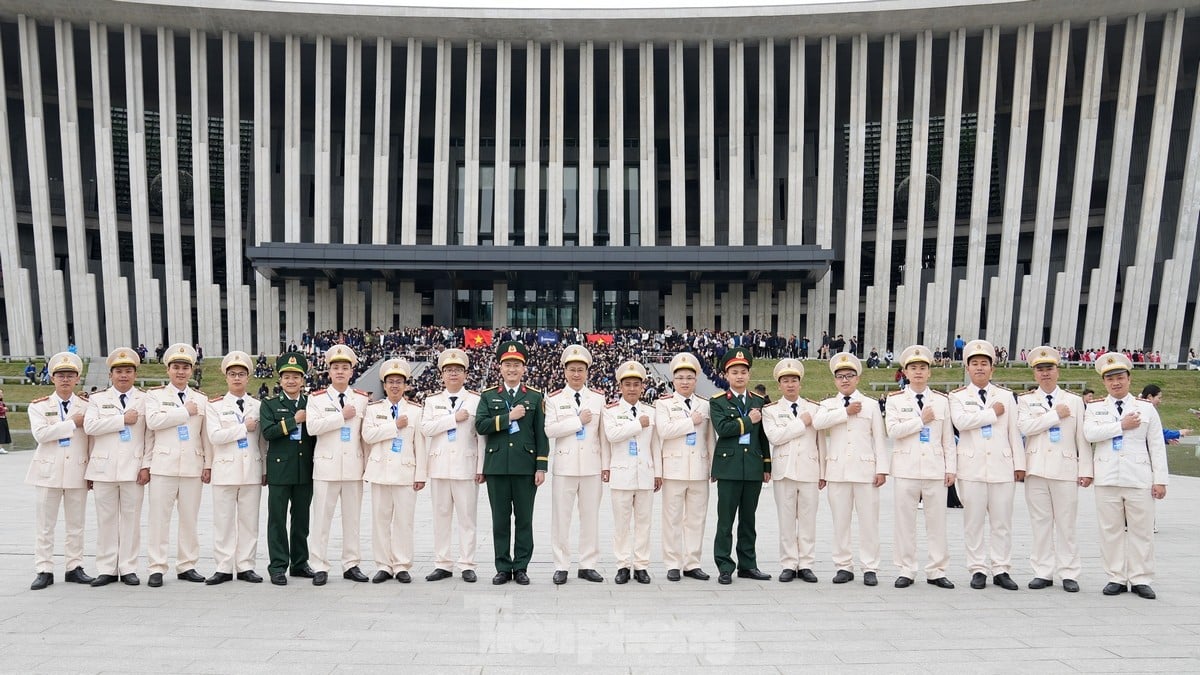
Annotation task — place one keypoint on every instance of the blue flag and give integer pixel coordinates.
(546, 336)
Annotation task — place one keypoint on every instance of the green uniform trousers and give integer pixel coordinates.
(736, 499)
(288, 552)
(511, 499)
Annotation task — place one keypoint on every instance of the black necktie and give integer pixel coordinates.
(122, 397)
(578, 399)
(65, 405)
(794, 412)
(633, 410)
(452, 400)
(742, 399)
(183, 398)
(1119, 410)
(983, 396)
(688, 403)
(1049, 400)
(394, 412)
(920, 401)
(512, 393)
(241, 405)
(341, 400)
(847, 403)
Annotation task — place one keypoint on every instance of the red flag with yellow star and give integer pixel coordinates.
(477, 337)
(600, 338)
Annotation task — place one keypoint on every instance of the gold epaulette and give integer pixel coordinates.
(939, 393)
(471, 391)
(1002, 387)
(755, 393)
(491, 388)
(360, 392)
(598, 391)
(773, 403)
(318, 392)
(666, 396)
(554, 393)
(812, 401)
(39, 400)
(893, 393)
(214, 399)
(613, 404)
(955, 391)
(533, 388)
(82, 394)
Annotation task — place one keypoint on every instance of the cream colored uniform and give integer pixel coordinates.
(855, 451)
(920, 468)
(1057, 455)
(117, 455)
(796, 469)
(338, 463)
(630, 480)
(237, 462)
(454, 460)
(1124, 505)
(683, 455)
(989, 451)
(176, 458)
(57, 471)
(397, 458)
(575, 464)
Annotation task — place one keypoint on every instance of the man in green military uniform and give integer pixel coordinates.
(289, 470)
(514, 462)
(741, 464)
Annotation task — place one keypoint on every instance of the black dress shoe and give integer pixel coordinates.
(941, 582)
(1038, 583)
(521, 577)
(725, 578)
(279, 579)
(786, 576)
(355, 574)
(754, 573)
(155, 580)
(249, 575)
(673, 575)
(439, 574)
(502, 578)
(590, 575)
(870, 579)
(560, 577)
(1004, 581)
(320, 578)
(381, 576)
(104, 580)
(806, 575)
(978, 580)
(697, 574)
(643, 577)
(130, 579)
(42, 580)
(1144, 591)
(78, 576)
(843, 576)
(192, 576)
(1113, 588)
(469, 576)
(903, 582)
(304, 572)
(404, 577)
(218, 578)
(622, 576)
(1070, 585)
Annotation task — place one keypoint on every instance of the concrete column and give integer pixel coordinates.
(351, 190)
(586, 307)
(383, 148)
(790, 307)
(937, 323)
(1102, 295)
(766, 142)
(765, 302)
(554, 165)
(178, 289)
(908, 314)
(707, 146)
(117, 320)
(296, 309)
(383, 305)
(237, 294)
(412, 128)
(616, 144)
(968, 319)
(291, 139)
(208, 294)
(533, 142)
(441, 143)
(322, 145)
(733, 307)
(84, 312)
(500, 305)
(846, 318)
(677, 130)
(879, 295)
(647, 170)
(587, 141)
(649, 308)
(705, 304)
(410, 305)
(324, 305)
(501, 226)
(1063, 327)
(354, 304)
(675, 306)
(827, 132)
(266, 296)
(18, 303)
(1032, 317)
(145, 287)
(1135, 301)
(795, 191)
(471, 166)
(737, 138)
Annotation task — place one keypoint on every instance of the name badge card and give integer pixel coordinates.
(633, 449)
(452, 435)
(126, 435)
(397, 444)
(514, 427)
(295, 434)
(64, 442)
(1055, 434)
(345, 434)
(690, 439)
(183, 432)
(987, 431)
(926, 432)
(243, 444)
(744, 439)
(1117, 442)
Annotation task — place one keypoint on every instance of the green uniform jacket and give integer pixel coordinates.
(289, 462)
(731, 459)
(522, 453)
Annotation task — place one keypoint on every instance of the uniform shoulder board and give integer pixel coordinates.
(472, 391)
(214, 399)
(534, 389)
(491, 388)
(360, 392)
(317, 392)
(955, 391)
(812, 401)
(598, 391)
(82, 394)
(1001, 387)
(613, 404)
(197, 391)
(772, 404)
(939, 393)
(416, 403)
(755, 393)
(555, 392)
(893, 393)
(161, 386)
(666, 396)
(39, 400)
(699, 397)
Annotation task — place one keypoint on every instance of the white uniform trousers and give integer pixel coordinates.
(1053, 505)
(796, 503)
(118, 526)
(392, 508)
(74, 503)
(684, 512)
(908, 493)
(845, 499)
(987, 506)
(325, 498)
(451, 499)
(236, 510)
(1127, 552)
(631, 505)
(566, 491)
(165, 493)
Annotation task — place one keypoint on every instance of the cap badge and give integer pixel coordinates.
(291, 361)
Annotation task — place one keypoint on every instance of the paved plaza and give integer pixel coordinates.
(452, 626)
